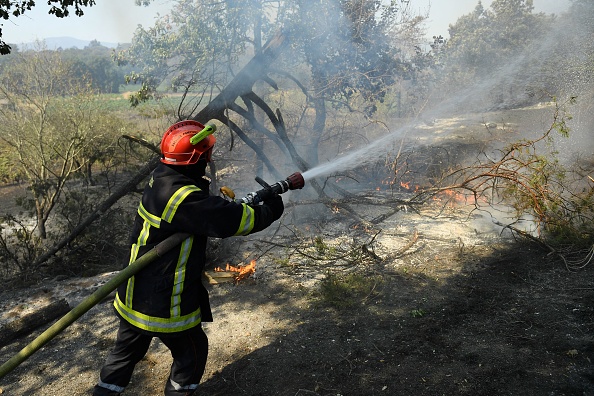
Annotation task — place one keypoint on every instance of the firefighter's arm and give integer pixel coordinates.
(268, 212)
(276, 205)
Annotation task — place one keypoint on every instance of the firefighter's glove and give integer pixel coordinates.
(275, 203)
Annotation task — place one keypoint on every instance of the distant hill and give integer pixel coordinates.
(65, 43)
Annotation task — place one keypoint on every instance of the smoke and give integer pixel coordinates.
(507, 87)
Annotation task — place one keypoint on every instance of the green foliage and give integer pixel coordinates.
(322, 248)
(529, 177)
(487, 38)
(54, 125)
(529, 55)
(204, 39)
(502, 43)
(572, 65)
(95, 62)
(348, 47)
(558, 199)
(417, 313)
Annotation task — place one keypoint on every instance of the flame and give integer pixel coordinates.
(243, 271)
(405, 185)
(452, 197)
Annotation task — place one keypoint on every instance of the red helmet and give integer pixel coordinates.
(177, 148)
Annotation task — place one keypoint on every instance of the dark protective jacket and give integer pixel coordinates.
(168, 295)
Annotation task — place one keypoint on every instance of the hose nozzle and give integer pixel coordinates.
(293, 182)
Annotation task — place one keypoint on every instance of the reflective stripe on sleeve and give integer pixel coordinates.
(247, 221)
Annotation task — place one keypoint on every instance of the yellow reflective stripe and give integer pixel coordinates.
(151, 323)
(155, 221)
(154, 323)
(247, 221)
(175, 200)
(142, 238)
(179, 276)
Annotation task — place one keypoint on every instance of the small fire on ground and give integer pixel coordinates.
(230, 273)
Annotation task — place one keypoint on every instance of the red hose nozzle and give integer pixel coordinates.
(296, 181)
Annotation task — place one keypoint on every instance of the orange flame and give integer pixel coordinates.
(405, 185)
(243, 271)
(452, 197)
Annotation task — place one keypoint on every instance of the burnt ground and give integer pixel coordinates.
(464, 310)
(371, 299)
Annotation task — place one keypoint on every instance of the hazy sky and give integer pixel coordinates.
(114, 21)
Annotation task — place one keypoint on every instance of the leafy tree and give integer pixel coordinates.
(575, 76)
(351, 52)
(96, 62)
(484, 38)
(52, 123)
(343, 53)
(488, 43)
(59, 8)
(194, 47)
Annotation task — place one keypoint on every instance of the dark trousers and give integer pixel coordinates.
(188, 349)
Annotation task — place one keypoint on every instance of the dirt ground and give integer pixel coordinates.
(464, 311)
(395, 302)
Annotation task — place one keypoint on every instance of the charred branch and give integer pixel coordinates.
(253, 145)
(255, 70)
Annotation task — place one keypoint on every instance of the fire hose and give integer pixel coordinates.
(295, 181)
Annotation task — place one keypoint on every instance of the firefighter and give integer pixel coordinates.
(167, 299)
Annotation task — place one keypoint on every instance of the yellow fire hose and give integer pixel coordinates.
(91, 301)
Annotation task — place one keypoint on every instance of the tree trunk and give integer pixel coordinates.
(41, 231)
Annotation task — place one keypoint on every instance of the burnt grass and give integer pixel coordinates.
(514, 322)
(498, 317)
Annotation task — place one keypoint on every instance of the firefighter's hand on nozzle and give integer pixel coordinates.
(265, 194)
(257, 197)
